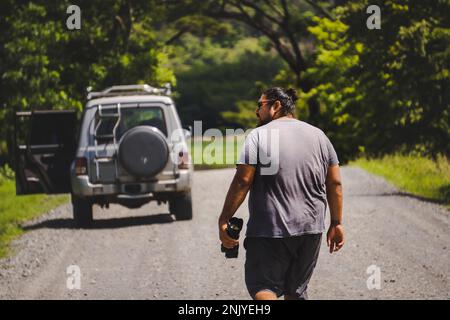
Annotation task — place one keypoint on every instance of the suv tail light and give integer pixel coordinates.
(183, 160)
(80, 166)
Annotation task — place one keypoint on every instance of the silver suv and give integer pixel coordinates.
(131, 149)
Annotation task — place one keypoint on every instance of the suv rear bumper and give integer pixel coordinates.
(82, 187)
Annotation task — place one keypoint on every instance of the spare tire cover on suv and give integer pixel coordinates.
(143, 151)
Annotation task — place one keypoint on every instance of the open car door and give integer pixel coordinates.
(45, 144)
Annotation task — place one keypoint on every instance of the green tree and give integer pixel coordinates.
(44, 65)
(216, 79)
(384, 91)
(338, 90)
(283, 23)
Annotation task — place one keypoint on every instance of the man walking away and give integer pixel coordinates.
(287, 205)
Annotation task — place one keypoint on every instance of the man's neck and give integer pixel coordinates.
(288, 116)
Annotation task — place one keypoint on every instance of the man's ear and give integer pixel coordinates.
(277, 106)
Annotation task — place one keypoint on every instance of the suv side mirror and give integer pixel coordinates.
(187, 130)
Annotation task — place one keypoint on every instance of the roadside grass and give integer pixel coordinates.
(415, 175)
(15, 210)
(216, 153)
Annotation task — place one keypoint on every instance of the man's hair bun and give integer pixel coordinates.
(292, 93)
(287, 98)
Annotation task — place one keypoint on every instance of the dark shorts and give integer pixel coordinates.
(281, 265)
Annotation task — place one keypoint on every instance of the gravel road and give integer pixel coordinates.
(145, 254)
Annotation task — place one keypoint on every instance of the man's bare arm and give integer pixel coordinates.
(335, 234)
(237, 192)
(334, 193)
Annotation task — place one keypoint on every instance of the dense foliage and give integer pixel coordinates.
(372, 91)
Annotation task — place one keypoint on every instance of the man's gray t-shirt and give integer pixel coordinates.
(288, 195)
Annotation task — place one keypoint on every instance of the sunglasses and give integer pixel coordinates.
(261, 103)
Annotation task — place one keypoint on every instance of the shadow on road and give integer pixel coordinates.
(113, 223)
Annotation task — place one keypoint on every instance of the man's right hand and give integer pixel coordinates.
(335, 237)
(226, 240)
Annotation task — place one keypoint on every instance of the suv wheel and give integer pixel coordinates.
(82, 212)
(181, 206)
(143, 151)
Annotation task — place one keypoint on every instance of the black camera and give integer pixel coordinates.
(234, 227)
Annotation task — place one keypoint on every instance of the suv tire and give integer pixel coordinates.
(143, 151)
(180, 205)
(82, 212)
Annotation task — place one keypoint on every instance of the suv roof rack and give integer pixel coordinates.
(133, 89)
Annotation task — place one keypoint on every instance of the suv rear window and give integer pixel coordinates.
(132, 117)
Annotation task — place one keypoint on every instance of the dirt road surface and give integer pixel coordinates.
(145, 254)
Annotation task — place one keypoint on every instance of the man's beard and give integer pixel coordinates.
(261, 122)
